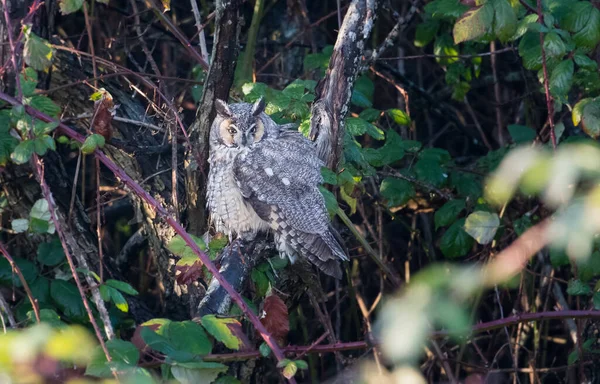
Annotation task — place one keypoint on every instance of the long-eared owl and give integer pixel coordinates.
(263, 177)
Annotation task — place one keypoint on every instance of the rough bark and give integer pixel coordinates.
(335, 90)
(216, 86)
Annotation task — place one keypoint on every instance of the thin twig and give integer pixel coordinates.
(17, 270)
(432, 56)
(38, 166)
(177, 33)
(201, 37)
(391, 275)
(549, 99)
(497, 95)
(11, 318)
(293, 39)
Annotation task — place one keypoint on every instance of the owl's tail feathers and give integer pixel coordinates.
(324, 251)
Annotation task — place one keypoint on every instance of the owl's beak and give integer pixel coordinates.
(244, 139)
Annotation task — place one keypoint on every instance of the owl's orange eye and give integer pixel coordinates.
(232, 131)
(253, 129)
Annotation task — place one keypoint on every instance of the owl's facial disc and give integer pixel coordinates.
(236, 133)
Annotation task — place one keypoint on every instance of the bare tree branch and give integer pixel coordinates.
(335, 90)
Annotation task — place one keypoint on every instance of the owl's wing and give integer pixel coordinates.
(280, 179)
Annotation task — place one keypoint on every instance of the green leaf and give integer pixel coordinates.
(445, 9)
(475, 23)
(67, 299)
(585, 62)
(41, 128)
(37, 52)
(301, 364)
(188, 336)
(531, 50)
(452, 317)
(561, 78)
(261, 282)
(392, 151)
(40, 289)
(357, 126)
(48, 316)
(318, 60)
(41, 212)
(118, 299)
(596, 300)
(186, 375)
(559, 258)
(7, 142)
(425, 33)
(121, 286)
(329, 177)
(522, 224)
(51, 253)
(360, 100)
(42, 144)
(254, 91)
(590, 119)
(220, 329)
(364, 85)
(122, 352)
(29, 80)
(70, 6)
(589, 268)
(482, 226)
(554, 45)
(8, 277)
(583, 19)
(448, 213)
(430, 171)
(456, 242)
(521, 133)
(396, 191)
(20, 225)
(227, 380)
(264, 350)
(399, 116)
(91, 143)
(22, 152)
(45, 105)
(330, 200)
(578, 288)
(505, 20)
(577, 112)
(290, 370)
(467, 185)
(370, 114)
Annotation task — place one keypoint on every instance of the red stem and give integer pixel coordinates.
(478, 328)
(163, 213)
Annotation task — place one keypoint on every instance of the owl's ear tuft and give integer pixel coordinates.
(222, 108)
(258, 107)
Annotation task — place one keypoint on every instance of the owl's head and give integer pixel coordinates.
(241, 125)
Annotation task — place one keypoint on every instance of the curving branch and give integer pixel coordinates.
(335, 90)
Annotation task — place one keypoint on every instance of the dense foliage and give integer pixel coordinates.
(482, 131)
